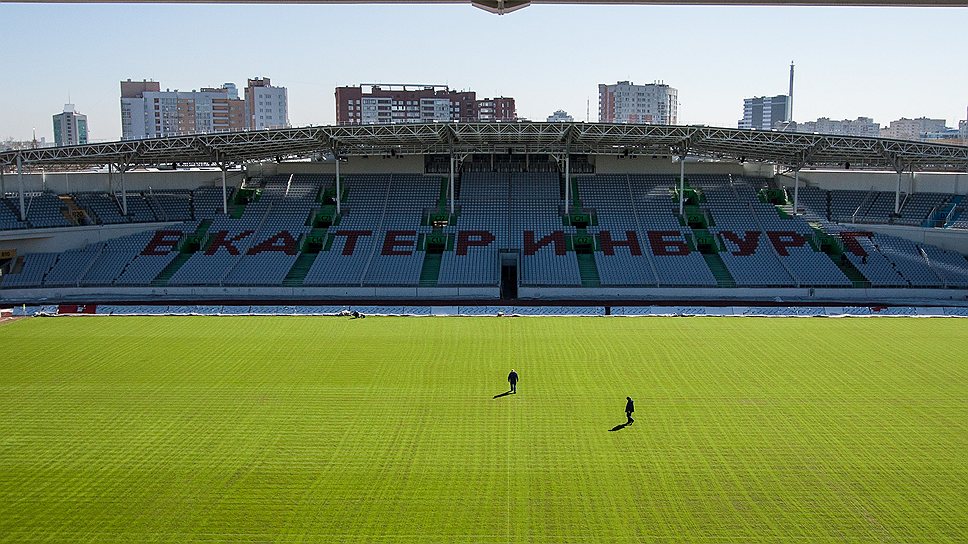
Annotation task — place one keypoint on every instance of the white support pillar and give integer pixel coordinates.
(682, 183)
(568, 185)
(124, 195)
(225, 191)
(897, 194)
(20, 183)
(110, 178)
(796, 192)
(450, 192)
(3, 183)
(339, 209)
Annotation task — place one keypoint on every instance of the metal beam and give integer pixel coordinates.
(538, 138)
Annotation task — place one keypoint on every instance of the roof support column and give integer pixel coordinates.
(796, 192)
(223, 165)
(110, 178)
(568, 184)
(339, 194)
(225, 191)
(897, 193)
(20, 183)
(3, 183)
(451, 189)
(682, 183)
(124, 194)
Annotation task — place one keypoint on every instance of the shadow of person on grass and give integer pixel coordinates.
(504, 394)
(618, 427)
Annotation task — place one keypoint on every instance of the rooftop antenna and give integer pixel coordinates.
(588, 109)
(790, 105)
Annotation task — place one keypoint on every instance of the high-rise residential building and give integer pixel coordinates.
(963, 129)
(914, 129)
(560, 116)
(625, 102)
(384, 104)
(765, 112)
(149, 112)
(862, 126)
(266, 106)
(70, 127)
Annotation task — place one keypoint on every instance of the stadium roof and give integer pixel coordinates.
(784, 148)
(507, 6)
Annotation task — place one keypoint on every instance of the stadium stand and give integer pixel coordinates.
(622, 231)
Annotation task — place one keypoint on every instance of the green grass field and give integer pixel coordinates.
(387, 430)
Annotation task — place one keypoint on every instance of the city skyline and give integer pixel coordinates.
(850, 61)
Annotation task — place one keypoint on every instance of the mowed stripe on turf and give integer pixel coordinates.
(387, 429)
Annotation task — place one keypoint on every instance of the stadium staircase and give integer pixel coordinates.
(188, 247)
(709, 247)
(162, 279)
(834, 249)
(718, 268)
(854, 275)
(952, 211)
(299, 270)
(588, 270)
(74, 213)
(431, 269)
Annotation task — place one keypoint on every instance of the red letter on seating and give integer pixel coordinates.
(472, 238)
(851, 244)
(221, 239)
(746, 246)
(162, 243)
(662, 245)
(351, 237)
(282, 241)
(786, 238)
(531, 247)
(393, 241)
(631, 241)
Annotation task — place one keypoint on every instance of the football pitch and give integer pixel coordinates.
(395, 430)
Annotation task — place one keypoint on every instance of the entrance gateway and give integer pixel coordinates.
(509, 274)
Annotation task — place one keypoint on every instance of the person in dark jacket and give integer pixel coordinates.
(629, 408)
(513, 380)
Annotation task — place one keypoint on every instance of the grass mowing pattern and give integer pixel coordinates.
(385, 430)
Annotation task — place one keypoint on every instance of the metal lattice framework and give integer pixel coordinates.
(791, 149)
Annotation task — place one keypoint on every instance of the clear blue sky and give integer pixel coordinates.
(883, 63)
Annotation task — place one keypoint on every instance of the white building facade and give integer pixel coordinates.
(266, 106)
(149, 112)
(862, 126)
(914, 129)
(625, 102)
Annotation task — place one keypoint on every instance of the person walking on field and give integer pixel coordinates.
(513, 380)
(629, 408)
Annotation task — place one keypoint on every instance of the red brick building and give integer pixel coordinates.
(384, 104)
